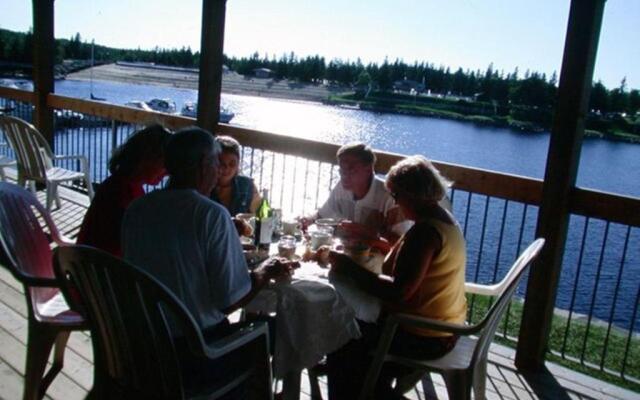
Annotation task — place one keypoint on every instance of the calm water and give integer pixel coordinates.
(605, 165)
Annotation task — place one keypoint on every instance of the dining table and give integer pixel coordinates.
(315, 314)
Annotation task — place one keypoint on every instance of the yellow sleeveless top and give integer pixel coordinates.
(441, 295)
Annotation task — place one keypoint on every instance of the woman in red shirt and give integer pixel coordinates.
(137, 162)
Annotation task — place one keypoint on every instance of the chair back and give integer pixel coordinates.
(25, 243)
(508, 287)
(32, 151)
(128, 312)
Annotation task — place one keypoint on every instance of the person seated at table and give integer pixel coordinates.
(422, 275)
(137, 162)
(361, 199)
(238, 193)
(188, 242)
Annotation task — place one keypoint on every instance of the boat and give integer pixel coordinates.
(91, 95)
(162, 105)
(190, 109)
(138, 104)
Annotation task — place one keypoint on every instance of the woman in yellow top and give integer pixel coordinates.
(423, 274)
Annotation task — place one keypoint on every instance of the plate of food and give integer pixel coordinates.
(332, 222)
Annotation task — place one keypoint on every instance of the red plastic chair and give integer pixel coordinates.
(28, 256)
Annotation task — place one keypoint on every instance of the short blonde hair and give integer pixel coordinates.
(417, 178)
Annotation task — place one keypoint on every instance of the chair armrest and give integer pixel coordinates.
(428, 323)
(84, 161)
(245, 332)
(63, 240)
(485, 290)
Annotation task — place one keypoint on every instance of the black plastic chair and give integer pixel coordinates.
(134, 344)
(27, 254)
(464, 367)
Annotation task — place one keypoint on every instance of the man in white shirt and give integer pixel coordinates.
(362, 199)
(188, 241)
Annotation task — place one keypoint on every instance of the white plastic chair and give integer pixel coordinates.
(35, 159)
(4, 163)
(465, 366)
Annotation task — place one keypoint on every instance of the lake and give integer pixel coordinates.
(605, 165)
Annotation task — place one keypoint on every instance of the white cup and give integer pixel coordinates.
(290, 227)
(320, 238)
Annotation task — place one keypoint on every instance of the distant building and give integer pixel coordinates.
(262, 73)
(408, 85)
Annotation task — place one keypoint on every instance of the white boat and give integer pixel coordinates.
(138, 104)
(162, 105)
(190, 109)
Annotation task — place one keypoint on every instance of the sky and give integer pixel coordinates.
(528, 34)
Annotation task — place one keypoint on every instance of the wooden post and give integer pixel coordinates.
(211, 52)
(581, 44)
(43, 61)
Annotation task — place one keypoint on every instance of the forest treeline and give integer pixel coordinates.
(528, 88)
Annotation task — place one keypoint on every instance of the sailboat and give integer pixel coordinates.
(91, 76)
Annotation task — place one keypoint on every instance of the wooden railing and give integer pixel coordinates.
(497, 211)
(607, 206)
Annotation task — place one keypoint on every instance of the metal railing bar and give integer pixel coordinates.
(480, 247)
(315, 205)
(575, 287)
(630, 335)
(595, 289)
(615, 297)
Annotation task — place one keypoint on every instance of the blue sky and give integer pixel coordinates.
(470, 34)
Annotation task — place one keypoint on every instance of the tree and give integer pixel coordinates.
(634, 102)
(618, 97)
(599, 100)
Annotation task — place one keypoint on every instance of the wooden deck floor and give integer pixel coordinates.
(504, 381)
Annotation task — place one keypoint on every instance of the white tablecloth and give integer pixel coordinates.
(315, 315)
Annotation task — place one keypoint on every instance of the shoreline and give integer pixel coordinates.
(236, 84)
(232, 83)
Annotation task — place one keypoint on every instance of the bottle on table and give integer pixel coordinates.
(264, 223)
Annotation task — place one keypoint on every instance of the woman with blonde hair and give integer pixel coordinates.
(423, 275)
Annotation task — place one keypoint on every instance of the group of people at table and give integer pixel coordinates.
(185, 236)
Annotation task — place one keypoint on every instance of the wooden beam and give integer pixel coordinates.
(211, 59)
(581, 44)
(43, 60)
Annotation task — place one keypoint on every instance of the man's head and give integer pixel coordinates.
(356, 161)
(191, 159)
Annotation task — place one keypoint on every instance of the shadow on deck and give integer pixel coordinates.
(504, 381)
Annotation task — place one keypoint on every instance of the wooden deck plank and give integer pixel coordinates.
(76, 367)
(13, 351)
(10, 381)
(80, 342)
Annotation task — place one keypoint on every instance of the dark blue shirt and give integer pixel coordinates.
(241, 195)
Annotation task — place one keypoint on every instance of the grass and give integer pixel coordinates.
(576, 353)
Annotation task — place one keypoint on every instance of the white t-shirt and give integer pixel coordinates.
(189, 243)
(376, 209)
